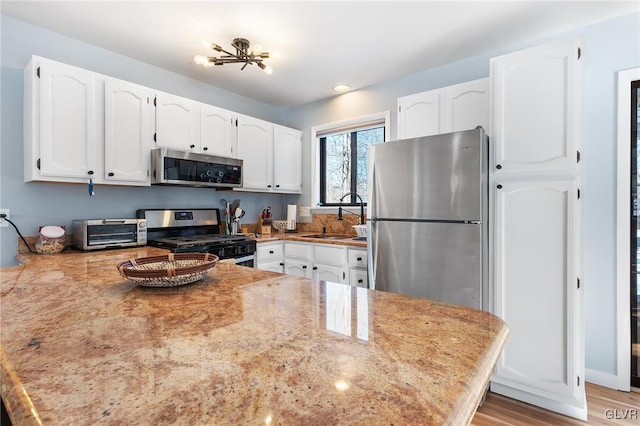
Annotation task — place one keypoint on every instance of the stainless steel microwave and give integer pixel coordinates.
(173, 167)
(95, 234)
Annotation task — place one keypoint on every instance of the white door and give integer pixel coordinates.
(128, 132)
(535, 105)
(255, 148)
(419, 115)
(287, 160)
(536, 286)
(68, 122)
(177, 123)
(217, 131)
(466, 106)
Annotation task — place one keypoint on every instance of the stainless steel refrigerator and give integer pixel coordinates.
(428, 216)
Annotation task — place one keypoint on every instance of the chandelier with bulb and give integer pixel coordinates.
(242, 56)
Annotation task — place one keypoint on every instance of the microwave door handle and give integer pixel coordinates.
(114, 221)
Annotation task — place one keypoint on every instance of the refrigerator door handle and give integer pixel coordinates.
(372, 247)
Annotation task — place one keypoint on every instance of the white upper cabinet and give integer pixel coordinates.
(419, 115)
(466, 106)
(287, 156)
(255, 148)
(62, 111)
(128, 131)
(81, 125)
(462, 106)
(217, 131)
(177, 123)
(535, 102)
(271, 154)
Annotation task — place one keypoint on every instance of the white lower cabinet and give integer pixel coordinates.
(329, 263)
(270, 256)
(319, 262)
(297, 259)
(358, 267)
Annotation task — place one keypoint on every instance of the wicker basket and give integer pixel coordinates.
(169, 270)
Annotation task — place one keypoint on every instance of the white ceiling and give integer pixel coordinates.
(315, 45)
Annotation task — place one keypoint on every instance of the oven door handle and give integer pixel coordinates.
(244, 258)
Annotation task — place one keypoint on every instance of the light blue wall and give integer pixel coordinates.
(609, 47)
(33, 204)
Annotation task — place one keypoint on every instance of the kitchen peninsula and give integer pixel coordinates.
(82, 345)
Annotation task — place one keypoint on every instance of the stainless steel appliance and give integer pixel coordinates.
(96, 234)
(428, 211)
(196, 230)
(173, 167)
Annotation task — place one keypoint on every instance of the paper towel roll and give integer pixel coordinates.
(292, 216)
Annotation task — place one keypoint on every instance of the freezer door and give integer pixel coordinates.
(440, 177)
(439, 261)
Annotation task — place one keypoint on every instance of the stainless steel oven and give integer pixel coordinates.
(196, 230)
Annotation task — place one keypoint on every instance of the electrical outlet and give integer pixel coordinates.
(4, 223)
(305, 211)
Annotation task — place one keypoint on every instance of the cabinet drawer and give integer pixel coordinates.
(267, 252)
(329, 255)
(297, 250)
(358, 278)
(357, 258)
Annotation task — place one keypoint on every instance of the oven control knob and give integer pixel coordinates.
(209, 173)
(142, 225)
(220, 173)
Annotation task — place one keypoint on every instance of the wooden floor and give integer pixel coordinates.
(601, 401)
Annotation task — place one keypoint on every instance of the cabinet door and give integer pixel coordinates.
(331, 273)
(128, 132)
(358, 278)
(68, 124)
(419, 115)
(297, 267)
(287, 160)
(535, 104)
(535, 287)
(177, 123)
(217, 131)
(466, 106)
(255, 148)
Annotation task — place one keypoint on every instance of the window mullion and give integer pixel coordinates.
(354, 165)
(323, 170)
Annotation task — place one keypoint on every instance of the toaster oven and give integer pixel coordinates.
(96, 234)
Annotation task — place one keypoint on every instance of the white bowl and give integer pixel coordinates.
(361, 230)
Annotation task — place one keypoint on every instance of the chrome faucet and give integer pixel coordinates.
(361, 207)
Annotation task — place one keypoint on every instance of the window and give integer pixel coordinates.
(343, 159)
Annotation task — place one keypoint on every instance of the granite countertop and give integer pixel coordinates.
(82, 345)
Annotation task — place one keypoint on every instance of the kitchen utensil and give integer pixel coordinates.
(239, 213)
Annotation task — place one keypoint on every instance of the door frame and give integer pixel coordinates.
(623, 228)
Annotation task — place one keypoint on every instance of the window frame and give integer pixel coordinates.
(357, 123)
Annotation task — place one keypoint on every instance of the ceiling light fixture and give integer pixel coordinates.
(341, 88)
(242, 56)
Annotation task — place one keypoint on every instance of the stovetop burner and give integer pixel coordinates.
(197, 239)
